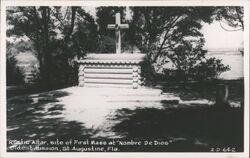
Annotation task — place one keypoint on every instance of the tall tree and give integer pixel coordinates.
(171, 32)
(163, 28)
(35, 23)
(54, 32)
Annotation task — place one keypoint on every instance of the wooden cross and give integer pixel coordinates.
(118, 26)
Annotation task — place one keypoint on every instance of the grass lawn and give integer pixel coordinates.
(64, 115)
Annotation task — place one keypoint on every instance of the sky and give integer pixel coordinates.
(215, 36)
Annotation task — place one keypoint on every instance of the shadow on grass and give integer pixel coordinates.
(189, 128)
(39, 117)
(196, 129)
(205, 90)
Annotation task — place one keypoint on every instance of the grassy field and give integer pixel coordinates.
(55, 115)
(205, 90)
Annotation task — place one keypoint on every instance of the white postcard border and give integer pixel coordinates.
(3, 131)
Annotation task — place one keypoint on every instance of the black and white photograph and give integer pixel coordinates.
(124, 78)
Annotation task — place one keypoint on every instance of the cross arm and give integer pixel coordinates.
(111, 26)
(114, 26)
(124, 26)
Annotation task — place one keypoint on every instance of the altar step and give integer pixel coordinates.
(144, 99)
(124, 96)
(104, 91)
(108, 81)
(107, 85)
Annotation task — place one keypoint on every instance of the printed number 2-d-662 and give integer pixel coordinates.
(225, 149)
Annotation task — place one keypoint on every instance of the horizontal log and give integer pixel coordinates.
(135, 68)
(118, 71)
(111, 81)
(81, 83)
(135, 85)
(108, 66)
(81, 73)
(81, 68)
(124, 57)
(135, 74)
(109, 76)
(110, 62)
(81, 78)
(135, 79)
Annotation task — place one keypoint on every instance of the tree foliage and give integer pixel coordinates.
(60, 34)
(209, 68)
(163, 28)
(232, 16)
(57, 34)
(172, 33)
(105, 16)
(13, 73)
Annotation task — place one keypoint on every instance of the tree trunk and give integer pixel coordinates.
(72, 23)
(222, 96)
(46, 54)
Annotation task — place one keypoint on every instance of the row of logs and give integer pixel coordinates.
(136, 77)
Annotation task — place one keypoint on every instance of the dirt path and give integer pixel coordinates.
(78, 112)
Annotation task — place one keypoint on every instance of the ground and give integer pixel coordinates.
(193, 124)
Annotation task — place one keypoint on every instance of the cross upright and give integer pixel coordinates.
(118, 26)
